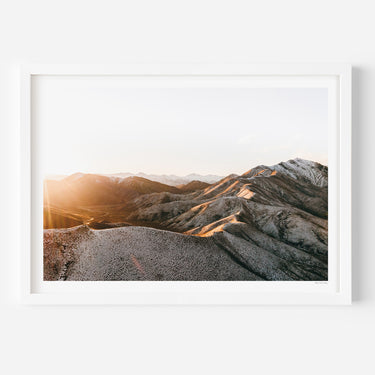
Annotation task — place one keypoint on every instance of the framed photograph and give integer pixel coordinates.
(186, 184)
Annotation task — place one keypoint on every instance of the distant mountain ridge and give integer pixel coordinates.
(172, 180)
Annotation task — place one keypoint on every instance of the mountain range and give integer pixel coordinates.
(169, 179)
(270, 223)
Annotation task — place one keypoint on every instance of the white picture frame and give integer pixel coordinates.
(337, 291)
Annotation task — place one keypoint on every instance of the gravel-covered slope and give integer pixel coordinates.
(136, 253)
(139, 253)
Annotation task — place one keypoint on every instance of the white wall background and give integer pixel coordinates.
(189, 340)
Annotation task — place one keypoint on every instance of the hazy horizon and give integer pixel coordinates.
(56, 175)
(99, 125)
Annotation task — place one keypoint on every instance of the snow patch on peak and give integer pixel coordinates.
(301, 169)
(298, 169)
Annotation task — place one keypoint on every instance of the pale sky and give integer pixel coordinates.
(101, 125)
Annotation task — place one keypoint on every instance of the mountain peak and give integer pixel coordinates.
(302, 169)
(297, 168)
